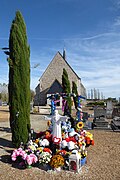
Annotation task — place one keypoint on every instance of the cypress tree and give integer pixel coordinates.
(74, 91)
(19, 81)
(66, 87)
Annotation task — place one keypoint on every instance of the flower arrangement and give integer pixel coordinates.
(57, 161)
(31, 159)
(53, 152)
(18, 154)
(44, 157)
(89, 139)
(21, 155)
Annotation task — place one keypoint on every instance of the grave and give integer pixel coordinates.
(100, 121)
(109, 109)
(115, 124)
(116, 112)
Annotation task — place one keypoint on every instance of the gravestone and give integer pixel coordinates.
(100, 121)
(115, 123)
(99, 112)
(109, 109)
(116, 112)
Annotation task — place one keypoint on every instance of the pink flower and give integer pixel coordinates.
(24, 156)
(18, 152)
(13, 158)
(22, 153)
(34, 158)
(29, 160)
(20, 149)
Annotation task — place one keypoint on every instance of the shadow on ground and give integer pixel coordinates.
(4, 110)
(5, 129)
(6, 143)
(6, 159)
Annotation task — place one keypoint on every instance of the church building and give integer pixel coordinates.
(51, 80)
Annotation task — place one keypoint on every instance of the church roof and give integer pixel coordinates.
(69, 65)
(63, 57)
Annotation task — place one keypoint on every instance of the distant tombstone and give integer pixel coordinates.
(109, 105)
(109, 109)
(116, 112)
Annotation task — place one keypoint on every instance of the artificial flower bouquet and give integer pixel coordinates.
(55, 152)
(31, 159)
(89, 139)
(65, 155)
(18, 155)
(44, 158)
(23, 158)
(57, 161)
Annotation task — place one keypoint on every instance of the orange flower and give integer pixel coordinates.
(61, 152)
(47, 150)
(57, 161)
(92, 142)
(37, 141)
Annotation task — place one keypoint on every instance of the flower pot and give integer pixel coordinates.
(83, 161)
(45, 166)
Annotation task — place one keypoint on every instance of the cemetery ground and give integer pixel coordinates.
(103, 159)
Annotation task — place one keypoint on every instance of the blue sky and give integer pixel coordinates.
(89, 30)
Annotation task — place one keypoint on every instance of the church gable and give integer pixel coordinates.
(55, 71)
(51, 80)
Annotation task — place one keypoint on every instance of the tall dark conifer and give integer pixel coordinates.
(19, 81)
(66, 87)
(74, 91)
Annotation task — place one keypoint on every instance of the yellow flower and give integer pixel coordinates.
(88, 134)
(37, 141)
(40, 149)
(49, 123)
(80, 125)
(57, 161)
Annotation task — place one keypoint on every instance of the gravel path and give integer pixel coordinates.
(103, 160)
